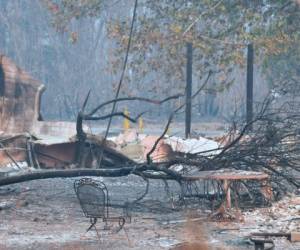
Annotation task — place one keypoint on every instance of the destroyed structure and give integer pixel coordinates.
(26, 138)
(20, 98)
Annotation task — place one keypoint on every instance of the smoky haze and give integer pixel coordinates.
(70, 68)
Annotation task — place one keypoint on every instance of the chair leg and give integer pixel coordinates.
(93, 223)
(126, 234)
(98, 235)
(126, 212)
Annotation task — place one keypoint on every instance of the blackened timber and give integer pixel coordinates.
(2, 79)
(188, 107)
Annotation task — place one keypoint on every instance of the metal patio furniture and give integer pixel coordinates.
(93, 197)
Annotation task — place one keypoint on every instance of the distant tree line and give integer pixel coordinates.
(74, 47)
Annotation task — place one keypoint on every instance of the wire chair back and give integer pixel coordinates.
(93, 197)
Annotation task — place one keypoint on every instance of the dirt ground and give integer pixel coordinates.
(45, 214)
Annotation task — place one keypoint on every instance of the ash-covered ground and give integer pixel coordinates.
(45, 214)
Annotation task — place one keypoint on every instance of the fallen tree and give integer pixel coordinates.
(162, 173)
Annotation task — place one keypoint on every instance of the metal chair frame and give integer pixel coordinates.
(103, 210)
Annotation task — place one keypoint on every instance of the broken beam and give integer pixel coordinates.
(293, 236)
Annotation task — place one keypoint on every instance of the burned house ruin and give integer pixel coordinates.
(20, 96)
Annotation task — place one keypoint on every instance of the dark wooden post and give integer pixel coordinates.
(188, 107)
(249, 102)
(2, 79)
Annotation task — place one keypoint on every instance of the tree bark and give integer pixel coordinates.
(46, 174)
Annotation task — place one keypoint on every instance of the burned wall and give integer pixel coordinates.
(19, 98)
